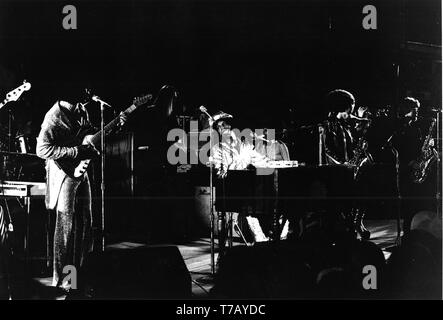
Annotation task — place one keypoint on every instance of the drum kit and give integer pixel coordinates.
(17, 145)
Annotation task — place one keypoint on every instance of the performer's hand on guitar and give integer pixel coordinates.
(123, 119)
(86, 151)
(431, 143)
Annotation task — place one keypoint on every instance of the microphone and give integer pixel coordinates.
(205, 111)
(97, 99)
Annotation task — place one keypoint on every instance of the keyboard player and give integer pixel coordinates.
(228, 151)
(231, 153)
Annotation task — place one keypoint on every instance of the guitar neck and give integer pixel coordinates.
(3, 103)
(96, 138)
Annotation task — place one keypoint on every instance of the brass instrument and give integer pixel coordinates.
(361, 156)
(427, 156)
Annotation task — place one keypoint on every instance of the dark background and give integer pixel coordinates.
(251, 58)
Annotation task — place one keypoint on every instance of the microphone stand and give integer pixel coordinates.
(102, 172)
(7, 159)
(388, 145)
(211, 200)
(320, 145)
(211, 191)
(399, 192)
(211, 203)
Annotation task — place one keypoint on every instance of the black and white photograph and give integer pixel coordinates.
(221, 155)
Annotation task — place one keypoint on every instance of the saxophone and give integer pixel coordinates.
(427, 156)
(360, 156)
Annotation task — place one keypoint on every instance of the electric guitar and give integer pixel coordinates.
(15, 94)
(76, 168)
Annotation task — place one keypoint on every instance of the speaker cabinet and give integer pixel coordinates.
(154, 272)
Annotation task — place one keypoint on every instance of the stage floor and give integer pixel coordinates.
(197, 256)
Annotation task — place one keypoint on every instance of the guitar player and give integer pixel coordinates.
(60, 139)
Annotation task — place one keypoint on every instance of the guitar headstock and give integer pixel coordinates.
(138, 101)
(15, 94)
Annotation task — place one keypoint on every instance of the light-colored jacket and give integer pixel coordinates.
(57, 140)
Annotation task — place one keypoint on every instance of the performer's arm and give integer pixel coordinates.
(47, 146)
(284, 151)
